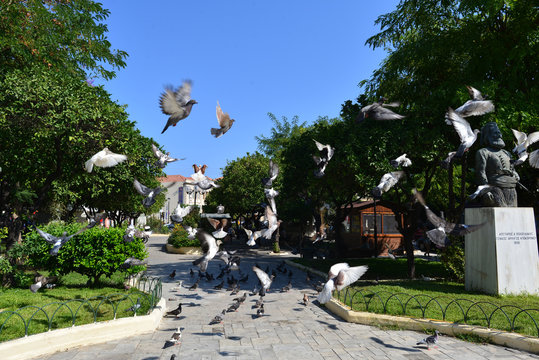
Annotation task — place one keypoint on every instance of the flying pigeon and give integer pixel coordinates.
(401, 161)
(273, 223)
(191, 232)
(273, 172)
(135, 307)
(340, 276)
(131, 261)
(175, 339)
(320, 166)
(224, 120)
(523, 141)
(431, 340)
(104, 158)
(177, 104)
(163, 159)
(252, 235)
(387, 182)
(149, 194)
(202, 182)
(326, 151)
(40, 281)
(180, 212)
(448, 159)
(219, 226)
(176, 311)
(57, 242)
(442, 228)
(533, 159)
(265, 280)
(209, 246)
(379, 111)
(464, 130)
(477, 105)
(270, 195)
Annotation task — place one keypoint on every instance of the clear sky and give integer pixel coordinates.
(289, 58)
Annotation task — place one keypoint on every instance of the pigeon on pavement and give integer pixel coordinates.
(466, 135)
(379, 111)
(163, 159)
(175, 339)
(177, 104)
(430, 340)
(149, 194)
(104, 158)
(176, 311)
(477, 105)
(340, 276)
(224, 120)
(218, 318)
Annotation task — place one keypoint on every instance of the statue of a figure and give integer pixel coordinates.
(493, 167)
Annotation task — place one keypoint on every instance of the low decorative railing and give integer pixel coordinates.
(31, 319)
(483, 313)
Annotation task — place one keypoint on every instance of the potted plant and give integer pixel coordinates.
(179, 243)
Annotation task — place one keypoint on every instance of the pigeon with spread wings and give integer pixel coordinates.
(180, 212)
(340, 276)
(163, 159)
(224, 120)
(149, 194)
(265, 279)
(209, 246)
(379, 111)
(104, 158)
(523, 142)
(442, 228)
(387, 182)
(273, 224)
(177, 104)
(273, 172)
(57, 241)
(466, 135)
(477, 105)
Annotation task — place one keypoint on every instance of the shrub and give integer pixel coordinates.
(193, 218)
(155, 224)
(94, 252)
(452, 258)
(180, 238)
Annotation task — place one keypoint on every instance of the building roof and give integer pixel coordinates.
(173, 178)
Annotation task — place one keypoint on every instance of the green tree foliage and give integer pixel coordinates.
(180, 238)
(94, 252)
(241, 188)
(281, 133)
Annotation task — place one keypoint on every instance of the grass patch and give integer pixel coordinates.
(440, 300)
(473, 338)
(70, 303)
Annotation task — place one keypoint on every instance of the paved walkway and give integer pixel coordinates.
(288, 330)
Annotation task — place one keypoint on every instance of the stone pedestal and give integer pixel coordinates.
(502, 257)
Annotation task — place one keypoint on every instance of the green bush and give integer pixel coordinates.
(193, 218)
(155, 224)
(179, 238)
(452, 258)
(93, 253)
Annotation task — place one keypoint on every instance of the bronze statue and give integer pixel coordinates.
(493, 167)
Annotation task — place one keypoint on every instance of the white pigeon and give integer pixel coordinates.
(401, 161)
(104, 158)
(265, 280)
(209, 246)
(163, 159)
(464, 130)
(481, 189)
(191, 232)
(252, 235)
(387, 182)
(270, 195)
(273, 223)
(273, 172)
(533, 159)
(326, 151)
(180, 212)
(321, 165)
(345, 276)
(523, 141)
(477, 105)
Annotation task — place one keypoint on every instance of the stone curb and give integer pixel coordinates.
(82, 335)
(499, 337)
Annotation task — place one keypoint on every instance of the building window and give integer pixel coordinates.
(390, 224)
(368, 223)
(355, 223)
(180, 195)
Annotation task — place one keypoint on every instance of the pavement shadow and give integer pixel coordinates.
(389, 346)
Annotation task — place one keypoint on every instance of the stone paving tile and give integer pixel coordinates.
(288, 330)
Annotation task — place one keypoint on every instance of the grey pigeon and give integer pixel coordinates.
(57, 242)
(401, 161)
(135, 307)
(387, 182)
(430, 340)
(40, 281)
(131, 261)
(224, 120)
(442, 228)
(340, 276)
(174, 339)
(270, 195)
(177, 104)
(163, 159)
(466, 135)
(104, 158)
(149, 194)
(273, 224)
(477, 105)
(326, 151)
(448, 159)
(523, 142)
(273, 172)
(218, 318)
(265, 280)
(379, 111)
(209, 246)
(320, 166)
(180, 212)
(176, 311)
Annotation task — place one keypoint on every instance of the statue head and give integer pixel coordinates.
(491, 136)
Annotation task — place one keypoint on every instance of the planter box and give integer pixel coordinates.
(188, 250)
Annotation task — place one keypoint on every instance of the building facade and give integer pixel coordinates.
(179, 190)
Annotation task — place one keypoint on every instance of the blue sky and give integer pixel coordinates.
(289, 58)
